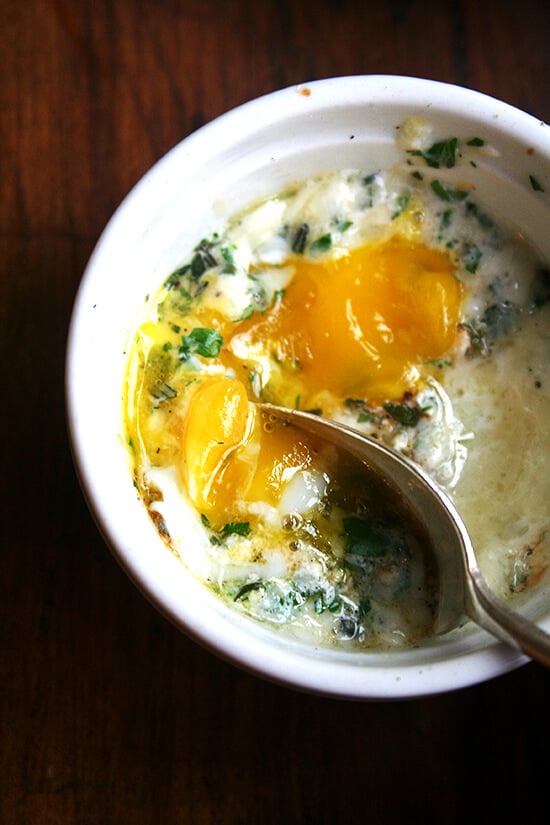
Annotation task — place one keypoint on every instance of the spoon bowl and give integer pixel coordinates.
(464, 593)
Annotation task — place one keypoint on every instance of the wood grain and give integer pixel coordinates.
(108, 714)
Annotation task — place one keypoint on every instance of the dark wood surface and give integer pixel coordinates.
(108, 714)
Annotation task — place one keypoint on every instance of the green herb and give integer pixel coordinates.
(475, 141)
(369, 182)
(178, 302)
(441, 154)
(238, 528)
(202, 259)
(163, 391)
(402, 203)
(363, 539)
(227, 254)
(320, 603)
(202, 340)
(300, 238)
(366, 415)
(446, 193)
(247, 312)
(344, 226)
(321, 244)
(445, 220)
(404, 414)
(482, 218)
(205, 521)
(174, 279)
(535, 184)
(471, 255)
(167, 346)
(200, 288)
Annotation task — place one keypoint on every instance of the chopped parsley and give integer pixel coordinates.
(202, 259)
(173, 281)
(230, 266)
(365, 414)
(402, 203)
(445, 220)
(343, 226)
(321, 244)
(445, 193)
(236, 528)
(405, 414)
(163, 392)
(482, 218)
(247, 312)
(471, 255)
(444, 153)
(203, 341)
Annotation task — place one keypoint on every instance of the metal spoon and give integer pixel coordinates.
(463, 590)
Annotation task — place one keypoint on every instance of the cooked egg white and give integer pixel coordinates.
(392, 302)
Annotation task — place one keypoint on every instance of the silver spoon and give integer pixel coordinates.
(463, 590)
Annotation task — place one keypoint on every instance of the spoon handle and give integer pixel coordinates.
(507, 624)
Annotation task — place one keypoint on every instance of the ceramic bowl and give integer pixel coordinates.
(247, 153)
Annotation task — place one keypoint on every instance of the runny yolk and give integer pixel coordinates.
(228, 457)
(361, 325)
(216, 433)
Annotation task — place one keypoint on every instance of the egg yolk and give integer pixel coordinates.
(228, 455)
(217, 429)
(361, 325)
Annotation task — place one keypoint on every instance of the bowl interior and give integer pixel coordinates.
(248, 153)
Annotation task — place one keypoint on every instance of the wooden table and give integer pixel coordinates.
(108, 714)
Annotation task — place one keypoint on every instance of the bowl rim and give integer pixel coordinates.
(228, 635)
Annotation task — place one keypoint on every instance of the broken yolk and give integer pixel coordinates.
(226, 455)
(217, 431)
(362, 324)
